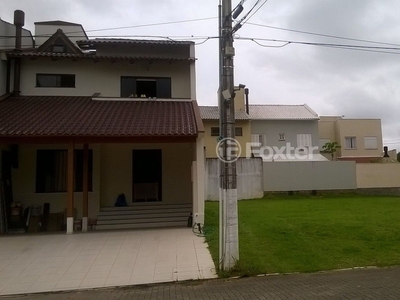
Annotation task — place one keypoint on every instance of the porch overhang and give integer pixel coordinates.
(64, 119)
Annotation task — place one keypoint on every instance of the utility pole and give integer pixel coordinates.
(229, 236)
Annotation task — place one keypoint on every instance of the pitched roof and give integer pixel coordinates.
(212, 113)
(57, 38)
(65, 116)
(95, 57)
(133, 41)
(282, 112)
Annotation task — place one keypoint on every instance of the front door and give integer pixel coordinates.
(147, 175)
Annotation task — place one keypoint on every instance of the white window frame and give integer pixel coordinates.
(304, 140)
(352, 145)
(371, 143)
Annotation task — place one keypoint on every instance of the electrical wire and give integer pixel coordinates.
(323, 35)
(255, 12)
(342, 46)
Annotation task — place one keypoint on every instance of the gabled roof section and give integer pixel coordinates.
(83, 117)
(212, 113)
(282, 112)
(59, 39)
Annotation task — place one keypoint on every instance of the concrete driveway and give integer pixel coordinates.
(56, 262)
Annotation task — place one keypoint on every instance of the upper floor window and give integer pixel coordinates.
(304, 140)
(55, 80)
(371, 142)
(281, 137)
(215, 131)
(141, 87)
(350, 142)
(259, 138)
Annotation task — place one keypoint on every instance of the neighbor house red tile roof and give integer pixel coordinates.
(64, 116)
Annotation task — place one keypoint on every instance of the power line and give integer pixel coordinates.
(342, 46)
(324, 35)
(154, 24)
(255, 12)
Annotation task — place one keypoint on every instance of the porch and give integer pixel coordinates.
(153, 152)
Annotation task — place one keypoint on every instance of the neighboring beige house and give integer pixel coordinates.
(91, 119)
(211, 115)
(360, 139)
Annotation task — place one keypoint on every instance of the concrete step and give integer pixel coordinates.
(146, 206)
(142, 220)
(141, 216)
(144, 212)
(142, 225)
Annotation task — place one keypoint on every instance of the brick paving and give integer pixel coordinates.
(371, 283)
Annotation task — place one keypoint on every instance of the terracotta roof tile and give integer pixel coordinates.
(96, 57)
(81, 116)
(133, 41)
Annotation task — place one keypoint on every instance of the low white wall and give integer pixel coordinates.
(249, 178)
(313, 175)
(377, 175)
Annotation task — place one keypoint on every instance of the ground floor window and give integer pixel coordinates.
(51, 171)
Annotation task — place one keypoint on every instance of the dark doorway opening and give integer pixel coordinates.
(147, 175)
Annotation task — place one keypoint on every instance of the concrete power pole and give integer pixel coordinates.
(229, 237)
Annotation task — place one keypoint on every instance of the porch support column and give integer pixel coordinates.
(85, 196)
(70, 189)
(198, 181)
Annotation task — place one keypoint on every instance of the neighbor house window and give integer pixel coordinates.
(350, 142)
(51, 171)
(145, 87)
(281, 137)
(55, 80)
(371, 142)
(259, 138)
(238, 131)
(304, 140)
(215, 131)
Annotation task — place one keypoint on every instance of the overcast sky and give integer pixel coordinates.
(332, 81)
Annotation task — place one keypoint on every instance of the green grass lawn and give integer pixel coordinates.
(306, 234)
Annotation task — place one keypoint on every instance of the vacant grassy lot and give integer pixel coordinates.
(305, 234)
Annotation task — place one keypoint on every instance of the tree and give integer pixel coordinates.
(331, 148)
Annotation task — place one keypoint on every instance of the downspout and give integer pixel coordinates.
(19, 21)
(8, 79)
(246, 92)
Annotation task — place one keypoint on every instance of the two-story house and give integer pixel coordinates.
(360, 140)
(279, 130)
(91, 119)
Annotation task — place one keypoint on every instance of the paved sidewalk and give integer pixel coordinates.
(60, 262)
(349, 284)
